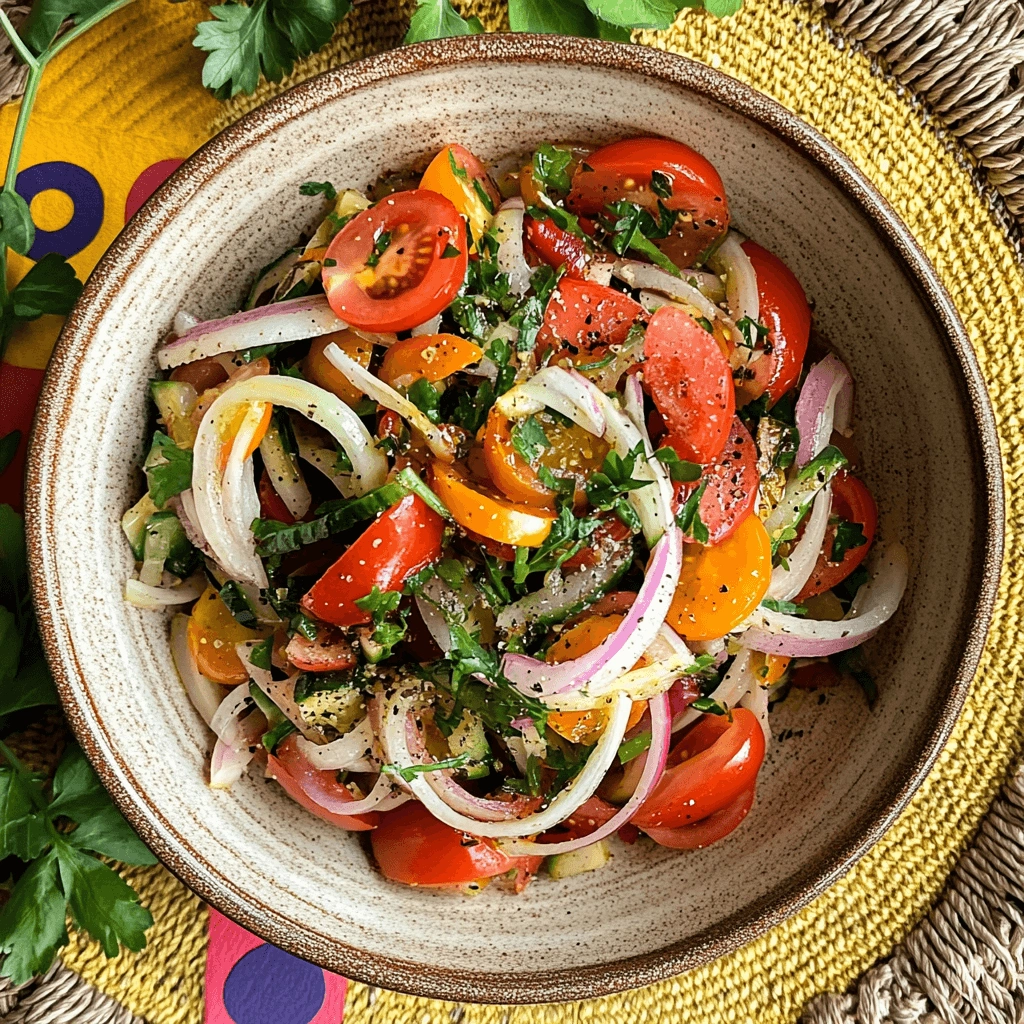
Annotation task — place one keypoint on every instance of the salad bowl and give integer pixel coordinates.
(837, 773)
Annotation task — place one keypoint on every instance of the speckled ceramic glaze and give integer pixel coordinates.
(838, 774)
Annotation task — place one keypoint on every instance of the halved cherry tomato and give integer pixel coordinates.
(212, 634)
(732, 482)
(768, 668)
(410, 845)
(493, 517)
(623, 170)
(707, 831)
(271, 505)
(582, 315)
(456, 184)
(202, 374)
(852, 501)
(715, 762)
(401, 541)
(557, 247)
(786, 314)
(319, 370)
(691, 384)
(513, 476)
(412, 279)
(720, 586)
(430, 356)
(589, 816)
(329, 652)
(318, 791)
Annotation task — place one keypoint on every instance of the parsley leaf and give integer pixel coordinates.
(751, 330)
(424, 396)
(550, 167)
(708, 706)
(606, 489)
(661, 184)
(17, 231)
(849, 535)
(410, 772)
(633, 748)
(380, 246)
(636, 13)
(168, 469)
(679, 469)
(688, 517)
(49, 287)
(45, 18)
(386, 633)
(784, 607)
(314, 188)
(632, 227)
(529, 439)
(437, 19)
(9, 448)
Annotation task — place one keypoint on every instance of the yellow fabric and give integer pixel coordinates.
(783, 50)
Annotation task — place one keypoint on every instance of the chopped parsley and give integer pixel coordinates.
(321, 188)
(410, 772)
(424, 396)
(529, 439)
(608, 488)
(630, 749)
(380, 246)
(632, 227)
(679, 469)
(688, 517)
(783, 607)
(751, 331)
(661, 184)
(386, 632)
(550, 169)
(849, 535)
(168, 469)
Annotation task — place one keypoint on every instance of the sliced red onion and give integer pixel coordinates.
(557, 810)
(206, 695)
(226, 719)
(619, 652)
(274, 324)
(741, 291)
(351, 752)
(142, 596)
(786, 582)
(633, 403)
(654, 767)
(646, 275)
(876, 601)
(284, 473)
(227, 765)
(184, 506)
(384, 796)
(508, 229)
(825, 402)
(431, 326)
(565, 391)
(437, 440)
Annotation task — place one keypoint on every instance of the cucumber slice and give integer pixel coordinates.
(133, 522)
(175, 401)
(165, 546)
(468, 737)
(590, 858)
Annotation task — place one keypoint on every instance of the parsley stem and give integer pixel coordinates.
(16, 41)
(20, 769)
(35, 73)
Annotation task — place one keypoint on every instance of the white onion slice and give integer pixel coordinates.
(184, 322)
(618, 652)
(431, 326)
(438, 442)
(225, 721)
(645, 275)
(437, 602)
(787, 583)
(508, 229)
(742, 295)
(633, 403)
(654, 767)
(284, 473)
(241, 503)
(738, 682)
(559, 808)
(565, 391)
(825, 402)
(190, 522)
(876, 601)
(227, 765)
(274, 324)
(352, 752)
(142, 596)
(206, 695)
(756, 700)
(280, 691)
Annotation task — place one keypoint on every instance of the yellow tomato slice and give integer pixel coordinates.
(322, 372)
(512, 476)
(491, 517)
(431, 356)
(768, 668)
(236, 425)
(212, 634)
(720, 586)
(457, 186)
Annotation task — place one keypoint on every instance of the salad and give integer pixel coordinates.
(506, 507)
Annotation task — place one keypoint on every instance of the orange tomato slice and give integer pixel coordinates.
(517, 479)
(431, 356)
(236, 425)
(212, 634)
(491, 517)
(458, 188)
(720, 586)
(324, 374)
(768, 668)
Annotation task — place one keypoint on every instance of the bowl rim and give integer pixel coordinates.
(113, 270)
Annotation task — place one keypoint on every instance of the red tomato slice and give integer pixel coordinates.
(329, 652)
(852, 501)
(624, 170)
(708, 769)
(732, 481)
(703, 833)
(412, 279)
(401, 541)
(584, 315)
(786, 314)
(271, 505)
(557, 248)
(590, 816)
(589, 556)
(690, 382)
(318, 791)
(412, 846)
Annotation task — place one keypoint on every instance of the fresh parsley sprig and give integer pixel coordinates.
(389, 622)
(608, 488)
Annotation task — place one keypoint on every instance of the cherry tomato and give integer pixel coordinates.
(430, 356)
(852, 501)
(454, 174)
(410, 845)
(624, 170)
(588, 817)
(509, 472)
(814, 675)
(412, 279)
(707, 831)
(720, 586)
(557, 247)
(732, 482)
(400, 542)
(202, 374)
(583, 315)
(691, 384)
(271, 505)
(319, 370)
(493, 517)
(710, 767)
(786, 314)
(329, 652)
(212, 633)
(318, 791)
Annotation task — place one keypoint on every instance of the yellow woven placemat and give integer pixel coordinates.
(783, 49)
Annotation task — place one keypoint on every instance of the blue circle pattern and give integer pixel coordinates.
(270, 986)
(84, 192)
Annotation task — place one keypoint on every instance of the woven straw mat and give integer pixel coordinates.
(789, 52)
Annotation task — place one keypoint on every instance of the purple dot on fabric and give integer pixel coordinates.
(270, 986)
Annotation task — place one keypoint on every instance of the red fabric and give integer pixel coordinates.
(19, 390)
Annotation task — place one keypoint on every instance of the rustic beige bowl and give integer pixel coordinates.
(830, 788)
